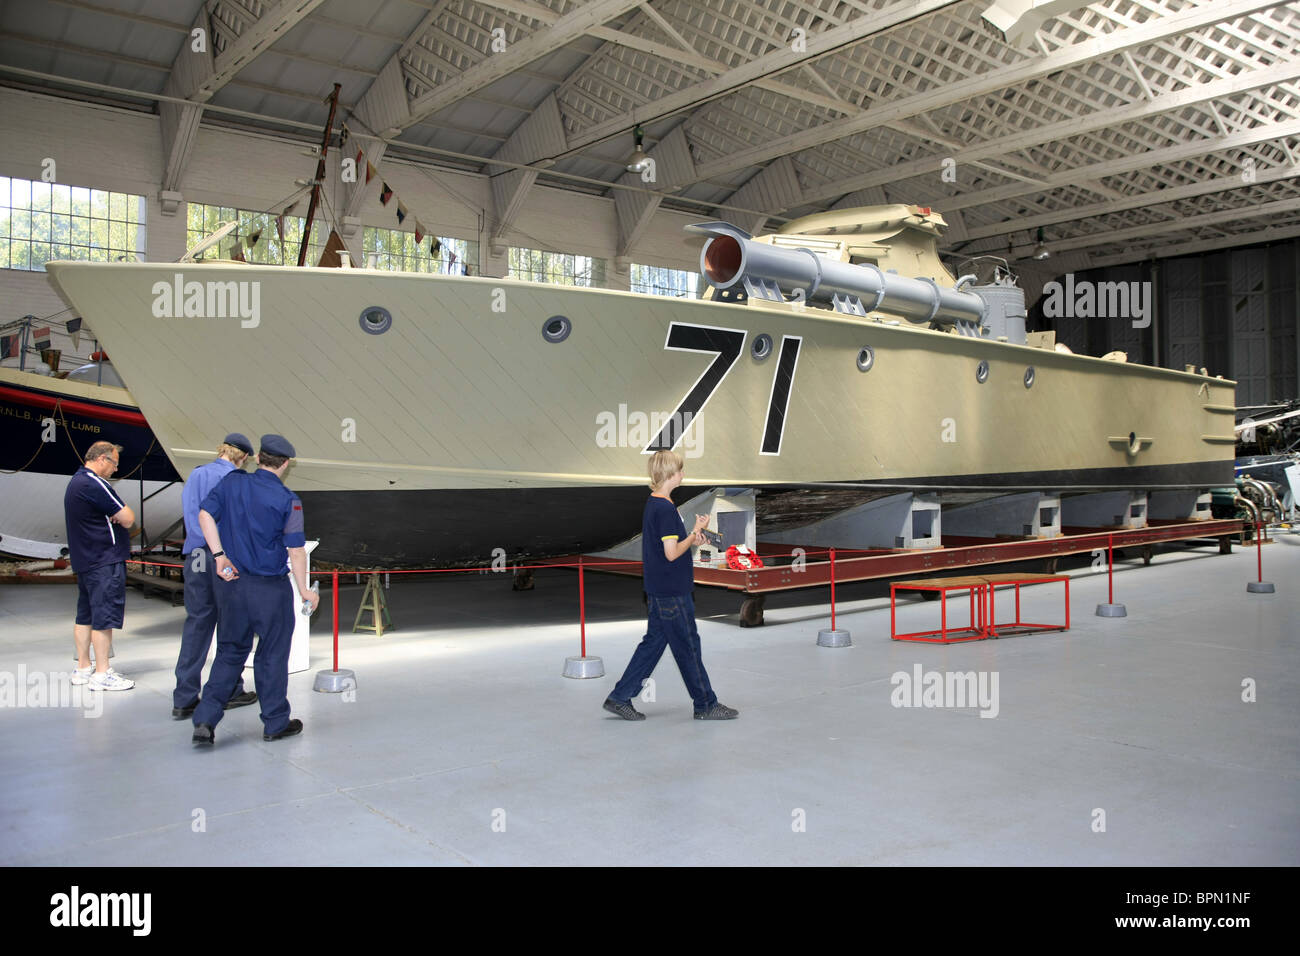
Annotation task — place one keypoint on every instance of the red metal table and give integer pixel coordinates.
(978, 628)
(1015, 579)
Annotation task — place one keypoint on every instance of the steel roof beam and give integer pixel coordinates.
(1272, 234)
(950, 94)
(198, 76)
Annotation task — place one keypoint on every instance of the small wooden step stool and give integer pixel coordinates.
(373, 600)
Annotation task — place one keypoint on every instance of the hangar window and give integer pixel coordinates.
(44, 221)
(540, 265)
(658, 280)
(397, 251)
(257, 238)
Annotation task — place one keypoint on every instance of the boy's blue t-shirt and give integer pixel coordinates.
(664, 578)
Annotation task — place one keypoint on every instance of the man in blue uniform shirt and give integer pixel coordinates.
(253, 525)
(99, 543)
(201, 613)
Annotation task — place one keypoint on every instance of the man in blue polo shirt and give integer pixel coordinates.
(253, 525)
(201, 613)
(99, 542)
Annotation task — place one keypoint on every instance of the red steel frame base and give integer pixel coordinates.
(1019, 626)
(978, 625)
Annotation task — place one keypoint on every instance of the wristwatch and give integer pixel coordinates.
(218, 554)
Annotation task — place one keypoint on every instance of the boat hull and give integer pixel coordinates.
(464, 393)
(37, 459)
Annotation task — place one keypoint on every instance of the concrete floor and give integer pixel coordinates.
(464, 745)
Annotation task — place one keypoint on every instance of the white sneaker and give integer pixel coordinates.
(81, 675)
(110, 680)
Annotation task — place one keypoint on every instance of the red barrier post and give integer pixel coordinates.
(1110, 608)
(1110, 569)
(1259, 554)
(582, 607)
(832, 589)
(334, 587)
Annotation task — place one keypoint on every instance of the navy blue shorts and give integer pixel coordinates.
(101, 596)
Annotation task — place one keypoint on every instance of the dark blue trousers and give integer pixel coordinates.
(670, 623)
(251, 604)
(200, 621)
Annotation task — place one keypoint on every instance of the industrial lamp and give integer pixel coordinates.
(1041, 251)
(638, 161)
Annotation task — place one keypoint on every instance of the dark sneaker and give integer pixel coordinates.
(180, 713)
(203, 735)
(624, 710)
(717, 712)
(242, 700)
(293, 729)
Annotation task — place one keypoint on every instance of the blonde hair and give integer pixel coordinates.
(236, 456)
(663, 465)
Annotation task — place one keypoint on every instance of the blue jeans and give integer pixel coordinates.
(252, 604)
(670, 623)
(200, 621)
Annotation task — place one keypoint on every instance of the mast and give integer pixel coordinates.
(320, 176)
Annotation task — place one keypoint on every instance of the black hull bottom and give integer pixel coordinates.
(471, 528)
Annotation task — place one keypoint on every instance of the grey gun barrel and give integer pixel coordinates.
(731, 256)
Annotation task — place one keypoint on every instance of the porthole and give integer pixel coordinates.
(866, 358)
(982, 372)
(761, 347)
(376, 320)
(556, 328)
(1029, 377)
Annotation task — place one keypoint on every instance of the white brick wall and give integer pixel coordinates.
(120, 150)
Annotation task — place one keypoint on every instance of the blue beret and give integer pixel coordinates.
(278, 445)
(239, 441)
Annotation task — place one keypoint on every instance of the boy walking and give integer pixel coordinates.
(669, 580)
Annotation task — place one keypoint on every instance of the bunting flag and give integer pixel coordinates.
(253, 239)
(343, 140)
(41, 339)
(237, 254)
(8, 346)
(73, 325)
(279, 227)
(451, 257)
(76, 336)
(386, 195)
